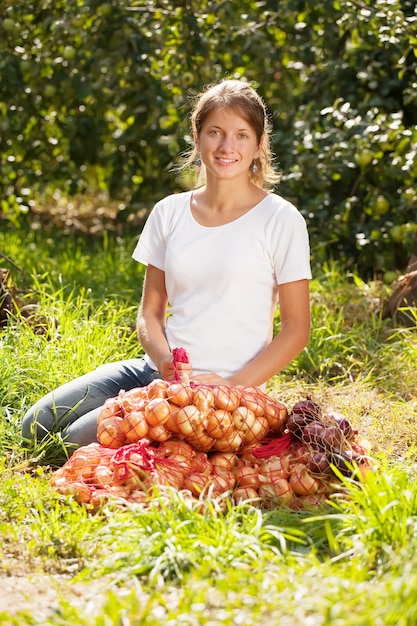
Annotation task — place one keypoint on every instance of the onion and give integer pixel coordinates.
(200, 464)
(332, 437)
(183, 462)
(227, 398)
(302, 482)
(273, 469)
(110, 408)
(157, 388)
(189, 420)
(180, 394)
(258, 430)
(224, 461)
(135, 426)
(245, 494)
(230, 443)
(158, 433)
(171, 422)
(243, 419)
(201, 441)
(103, 475)
(110, 433)
(296, 424)
(314, 435)
(157, 411)
(222, 483)
(195, 483)
(318, 463)
(280, 490)
(247, 476)
(307, 408)
(133, 399)
(253, 402)
(219, 423)
(276, 414)
(175, 447)
(203, 399)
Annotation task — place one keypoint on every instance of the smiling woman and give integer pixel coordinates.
(219, 259)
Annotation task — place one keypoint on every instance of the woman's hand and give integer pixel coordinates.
(168, 371)
(209, 378)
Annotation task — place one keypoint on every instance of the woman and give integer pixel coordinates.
(219, 260)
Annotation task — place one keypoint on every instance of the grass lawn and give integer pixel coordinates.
(352, 562)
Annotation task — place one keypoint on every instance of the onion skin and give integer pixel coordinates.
(302, 482)
(135, 426)
(180, 394)
(227, 398)
(110, 408)
(219, 423)
(157, 411)
(318, 463)
(307, 408)
(245, 494)
(247, 476)
(110, 433)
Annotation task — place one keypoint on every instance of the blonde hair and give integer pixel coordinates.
(238, 95)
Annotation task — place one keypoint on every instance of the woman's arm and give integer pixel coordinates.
(294, 302)
(151, 321)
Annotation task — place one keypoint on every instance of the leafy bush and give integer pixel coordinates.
(94, 98)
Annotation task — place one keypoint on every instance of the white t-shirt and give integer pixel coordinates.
(222, 281)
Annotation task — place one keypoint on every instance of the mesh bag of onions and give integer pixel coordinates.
(217, 441)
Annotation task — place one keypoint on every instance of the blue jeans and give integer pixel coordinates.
(72, 409)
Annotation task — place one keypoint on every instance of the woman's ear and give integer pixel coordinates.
(196, 141)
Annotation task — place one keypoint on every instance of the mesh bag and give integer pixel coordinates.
(226, 442)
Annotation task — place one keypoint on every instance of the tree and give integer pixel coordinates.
(95, 96)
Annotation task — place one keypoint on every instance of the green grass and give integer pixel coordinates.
(352, 563)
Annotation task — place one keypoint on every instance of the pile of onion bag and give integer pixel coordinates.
(213, 441)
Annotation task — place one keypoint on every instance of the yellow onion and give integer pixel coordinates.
(302, 482)
(157, 411)
(189, 419)
(225, 397)
(243, 419)
(219, 423)
(231, 442)
(276, 414)
(180, 393)
(203, 398)
(195, 483)
(110, 408)
(201, 441)
(243, 494)
(103, 475)
(224, 461)
(110, 433)
(253, 401)
(133, 399)
(273, 468)
(158, 433)
(201, 464)
(280, 490)
(222, 483)
(258, 430)
(247, 476)
(135, 426)
(157, 389)
(176, 447)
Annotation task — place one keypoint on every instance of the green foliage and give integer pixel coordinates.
(94, 97)
(179, 561)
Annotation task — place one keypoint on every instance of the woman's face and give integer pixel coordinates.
(227, 144)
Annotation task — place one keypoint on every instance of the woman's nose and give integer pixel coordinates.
(227, 142)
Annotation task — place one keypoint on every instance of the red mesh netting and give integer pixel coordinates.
(216, 441)
(212, 440)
